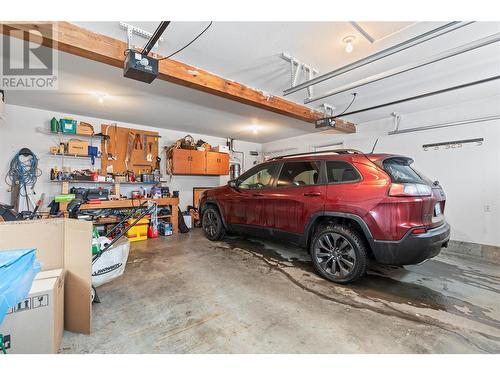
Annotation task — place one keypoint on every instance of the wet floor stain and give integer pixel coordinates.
(185, 319)
(382, 284)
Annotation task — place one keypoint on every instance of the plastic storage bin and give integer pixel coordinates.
(139, 232)
(67, 126)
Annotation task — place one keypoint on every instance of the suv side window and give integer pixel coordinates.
(340, 171)
(299, 173)
(261, 179)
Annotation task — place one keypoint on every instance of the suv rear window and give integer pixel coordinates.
(299, 173)
(401, 172)
(341, 171)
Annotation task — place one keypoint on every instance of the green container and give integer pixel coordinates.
(54, 125)
(95, 245)
(64, 198)
(67, 126)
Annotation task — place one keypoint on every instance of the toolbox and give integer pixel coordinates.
(67, 126)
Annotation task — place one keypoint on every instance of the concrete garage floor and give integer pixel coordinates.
(188, 295)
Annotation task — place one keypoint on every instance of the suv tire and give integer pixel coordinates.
(339, 253)
(212, 224)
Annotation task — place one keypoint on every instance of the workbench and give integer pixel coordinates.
(131, 203)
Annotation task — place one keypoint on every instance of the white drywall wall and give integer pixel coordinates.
(470, 175)
(20, 128)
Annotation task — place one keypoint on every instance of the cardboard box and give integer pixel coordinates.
(84, 128)
(78, 147)
(35, 325)
(224, 149)
(59, 243)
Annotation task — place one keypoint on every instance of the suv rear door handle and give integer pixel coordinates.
(312, 194)
(257, 194)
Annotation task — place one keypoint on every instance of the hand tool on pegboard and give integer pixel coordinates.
(137, 142)
(130, 146)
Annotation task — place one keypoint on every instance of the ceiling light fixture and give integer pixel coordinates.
(255, 129)
(99, 96)
(348, 43)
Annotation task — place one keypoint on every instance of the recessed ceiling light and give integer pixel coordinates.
(348, 43)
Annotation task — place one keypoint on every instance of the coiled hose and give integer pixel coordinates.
(24, 172)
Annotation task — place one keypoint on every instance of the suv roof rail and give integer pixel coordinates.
(341, 151)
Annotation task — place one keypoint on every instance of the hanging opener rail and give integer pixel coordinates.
(442, 30)
(427, 94)
(479, 43)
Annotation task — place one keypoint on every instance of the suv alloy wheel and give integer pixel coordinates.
(338, 253)
(212, 224)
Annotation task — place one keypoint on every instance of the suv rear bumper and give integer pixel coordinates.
(412, 249)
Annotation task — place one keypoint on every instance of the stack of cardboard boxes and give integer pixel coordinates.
(35, 325)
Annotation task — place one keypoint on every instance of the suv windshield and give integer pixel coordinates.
(401, 172)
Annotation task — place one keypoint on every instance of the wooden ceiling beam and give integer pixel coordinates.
(78, 41)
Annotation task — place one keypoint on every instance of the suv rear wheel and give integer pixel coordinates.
(339, 253)
(212, 224)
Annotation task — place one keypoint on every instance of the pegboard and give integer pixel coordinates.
(142, 149)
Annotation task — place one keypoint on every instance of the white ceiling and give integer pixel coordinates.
(249, 52)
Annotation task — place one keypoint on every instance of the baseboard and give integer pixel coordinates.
(488, 252)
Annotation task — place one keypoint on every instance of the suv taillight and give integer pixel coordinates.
(410, 190)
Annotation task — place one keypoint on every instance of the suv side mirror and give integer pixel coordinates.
(233, 183)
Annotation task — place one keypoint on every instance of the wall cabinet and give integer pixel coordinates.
(199, 162)
(188, 162)
(217, 163)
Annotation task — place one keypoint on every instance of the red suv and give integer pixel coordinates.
(344, 206)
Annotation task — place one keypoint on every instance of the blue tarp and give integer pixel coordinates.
(18, 268)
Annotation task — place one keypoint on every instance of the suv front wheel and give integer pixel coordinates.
(212, 224)
(339, 253)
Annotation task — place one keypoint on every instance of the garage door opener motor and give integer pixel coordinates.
(140, 66)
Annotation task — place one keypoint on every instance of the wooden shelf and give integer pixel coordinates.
(74, 135)
(128, 203)
(132, 203)
(137, 183)
(104, 182)
(114, 222)
(73, 156)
